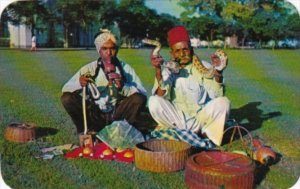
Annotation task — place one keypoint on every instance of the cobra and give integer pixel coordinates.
(171, 65)
(155, 43)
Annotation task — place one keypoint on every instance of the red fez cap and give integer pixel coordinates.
(178, 34)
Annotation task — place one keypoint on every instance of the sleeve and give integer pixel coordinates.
(133, 83)
(73, 84)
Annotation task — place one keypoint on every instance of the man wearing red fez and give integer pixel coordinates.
(192, 97)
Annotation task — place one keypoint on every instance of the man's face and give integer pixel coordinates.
(108, 51)
(181, 52)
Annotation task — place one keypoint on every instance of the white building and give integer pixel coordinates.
(20, 36)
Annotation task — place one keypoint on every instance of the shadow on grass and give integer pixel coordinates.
(254, 116)
(251, 118)
(45, 131)
(144, 122)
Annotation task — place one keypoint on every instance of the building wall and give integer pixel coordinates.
(232, 41)
(20, 36)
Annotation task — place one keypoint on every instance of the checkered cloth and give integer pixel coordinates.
(182, 135)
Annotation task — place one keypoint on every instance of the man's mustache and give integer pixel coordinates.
(182, 59)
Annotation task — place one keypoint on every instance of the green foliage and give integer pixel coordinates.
(210, 19)
(136, 21)
(27, 12)
(261, 84)
(256, 20)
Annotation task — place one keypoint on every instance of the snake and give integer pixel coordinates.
(95, 95)
(174, 67)
(155, 43)
(170, 65)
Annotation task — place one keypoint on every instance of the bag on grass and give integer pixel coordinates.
(121, 135)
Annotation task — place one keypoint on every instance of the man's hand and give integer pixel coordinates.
(215, 60)
(83, 80)
(219, 60)
(117, 80)
(218, 76)
(119, 83)
(156, 61)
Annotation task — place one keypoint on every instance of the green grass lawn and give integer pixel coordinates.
(263, 86)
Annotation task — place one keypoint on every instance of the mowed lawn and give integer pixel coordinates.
(263, 86)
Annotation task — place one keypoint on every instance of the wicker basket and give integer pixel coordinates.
(214, 170)
(20, 132)
(161, 155)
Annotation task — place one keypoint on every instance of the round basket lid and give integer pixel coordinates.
(222, 162)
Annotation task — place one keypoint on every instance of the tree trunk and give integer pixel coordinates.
(86, 37)
(51, 34)
(208, 42)
(243, 40)
(259, 43)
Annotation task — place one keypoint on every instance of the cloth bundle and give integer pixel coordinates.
(182, 135)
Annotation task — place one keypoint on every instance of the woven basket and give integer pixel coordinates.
(20, 132)
(161, 155)
(214, 170)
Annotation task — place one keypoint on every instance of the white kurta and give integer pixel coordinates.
(190, 102)
(106, 102)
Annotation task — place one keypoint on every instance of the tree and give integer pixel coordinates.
(204, 27)
(293, 22)
(78, 13)
(238, 16)
(133, 20)
(27, 12)
(202, 17)
(273, 21)
(161, 25)
(256, 19)
(136, 21)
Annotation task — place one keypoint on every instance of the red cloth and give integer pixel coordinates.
(178, 34)
(124, 156)
(103, 152)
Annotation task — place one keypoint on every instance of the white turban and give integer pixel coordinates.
(105, 36)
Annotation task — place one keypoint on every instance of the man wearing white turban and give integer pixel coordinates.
(122, 95)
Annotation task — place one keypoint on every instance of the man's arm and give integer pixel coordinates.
(78, 80)
(156, 61)
(159, 91)
(218, 76)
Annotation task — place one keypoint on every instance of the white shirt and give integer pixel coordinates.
(106, 103)
(188, 90)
